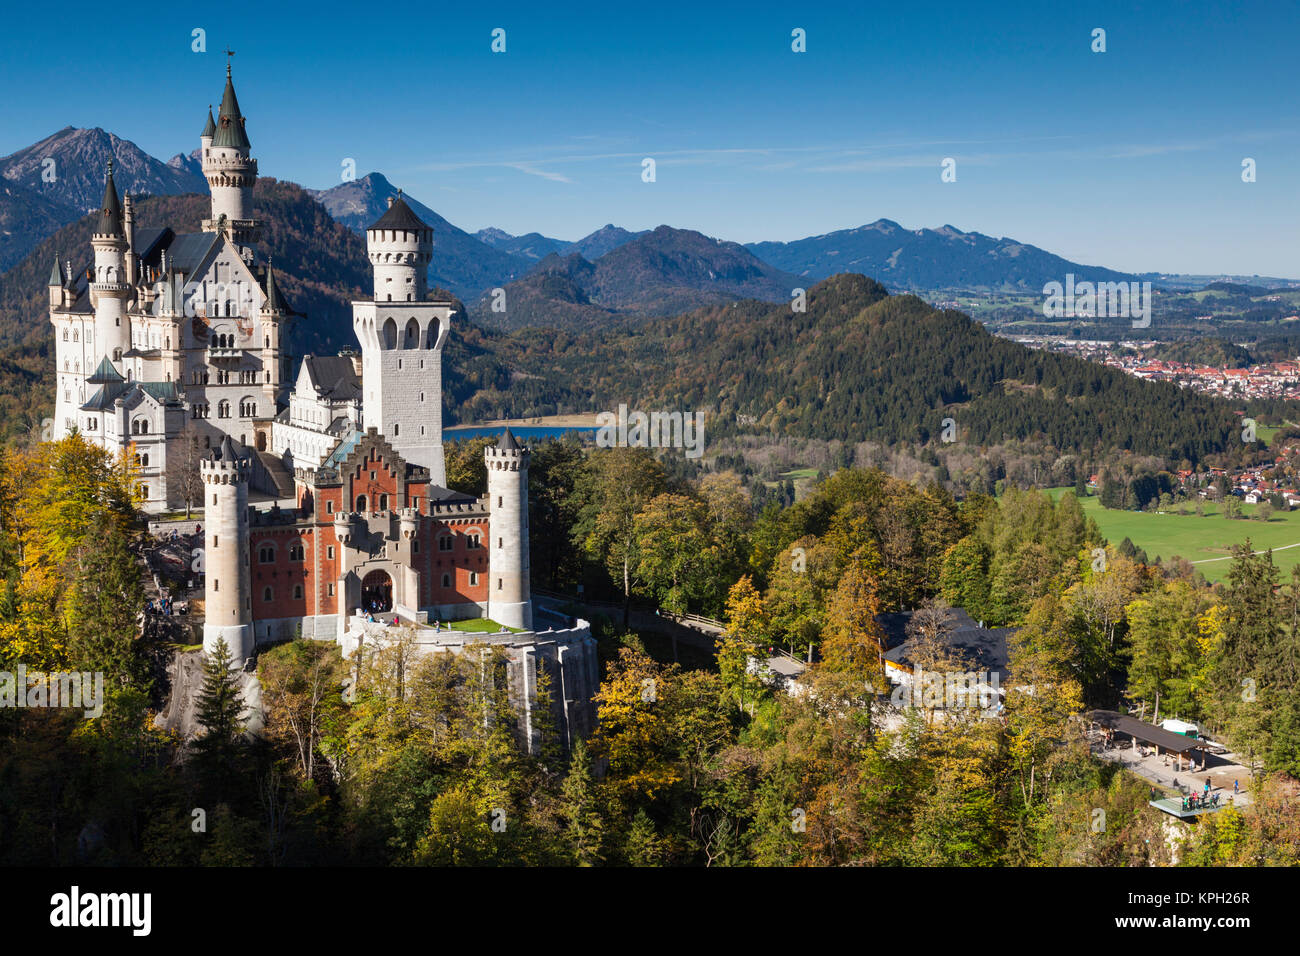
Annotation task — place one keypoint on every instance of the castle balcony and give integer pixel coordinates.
(224, 354)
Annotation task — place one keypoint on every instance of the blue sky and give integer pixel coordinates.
(1129, 158)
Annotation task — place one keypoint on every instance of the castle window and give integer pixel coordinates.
(396, 429)
(500, 584)
(383, 502)
(473, 579)
(296, 552)
(329, 507)
(65, 335)
(74, 336)
(475, 541)
(214, 497)
(266, 554)
(445, 542)
(329, 553)
(216, 585)
(267, 594)
(501, 542)
(446, 580)
(330, 590)
(297, 592)
(361, 503)
(415, 546)
(499, 497)
(223, 409)
(390, 332)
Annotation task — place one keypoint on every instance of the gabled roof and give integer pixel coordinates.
(105, 373)
(230, 122)
(399, 216)
(334, 377)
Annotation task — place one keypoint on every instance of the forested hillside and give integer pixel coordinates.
(860, 364)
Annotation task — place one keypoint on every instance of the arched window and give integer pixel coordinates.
(296, 552)
(297, 592)
(412, 335)
(383, 502)
(65, 335)
(267, 593)
(75, 336)
(266, 554)
(144, 460)
(361, 503)
(223, 409)
(431, 336)
(446, 580)
(390, 334)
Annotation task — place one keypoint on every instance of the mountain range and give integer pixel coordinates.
(858, 364)
(59, 179)
(917, 259)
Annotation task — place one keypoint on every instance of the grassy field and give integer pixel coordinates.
(1203, 541)
(476, 625)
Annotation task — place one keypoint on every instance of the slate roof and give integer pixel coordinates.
(110, 210)
(507, 442)
(210, 128)
(983, 648)
(399, 216)
(230, 122)
(333, 376)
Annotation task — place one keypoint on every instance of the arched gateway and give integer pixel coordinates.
(377, 592)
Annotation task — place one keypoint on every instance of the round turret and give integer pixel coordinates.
(400, 247)
(227, 589)
(509, 598)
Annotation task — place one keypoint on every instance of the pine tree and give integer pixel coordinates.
(219, 709)
(579, 808)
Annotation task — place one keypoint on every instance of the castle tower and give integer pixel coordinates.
(402, 334)
(273, 316)
(230, 169)
(109, 289)
(227, 591)
(509, 600)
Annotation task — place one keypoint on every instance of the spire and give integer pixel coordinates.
(274, 302)
(211, 128)
(110, 210)
(507, 442)
(56, 274)
(227, 452)
(230, 122)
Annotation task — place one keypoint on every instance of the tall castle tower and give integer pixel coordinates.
(228, 604)
(509, 600)
(401, 335)
(273, 319)
(110, 288)
(230, 169)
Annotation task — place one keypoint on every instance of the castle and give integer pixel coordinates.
(170, 345)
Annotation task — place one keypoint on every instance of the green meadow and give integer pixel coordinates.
(1205, 541)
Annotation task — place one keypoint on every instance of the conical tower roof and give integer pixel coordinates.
(507, 442)
(274, 301)
(211, 128)
(230, 122)
(56, 274)
(110, 210)
(399, 215)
